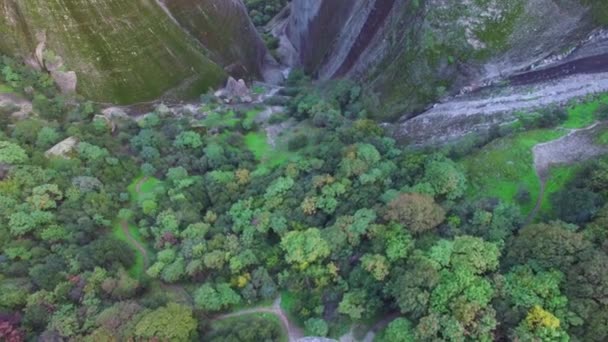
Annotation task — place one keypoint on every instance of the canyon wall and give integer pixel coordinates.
(408, 53)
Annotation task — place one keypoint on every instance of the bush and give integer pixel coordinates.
(316, 327)
(546, 118)
(602, 111)
(297, 142)
(523, 196)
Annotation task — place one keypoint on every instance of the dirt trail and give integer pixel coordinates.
(125, 228)
(294, 333)
(576, 146)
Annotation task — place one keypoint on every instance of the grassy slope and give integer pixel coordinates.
(147, 189)
(505, 165)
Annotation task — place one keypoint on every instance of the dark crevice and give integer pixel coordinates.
(377, 17)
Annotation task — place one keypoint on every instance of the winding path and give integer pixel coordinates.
(124, 225)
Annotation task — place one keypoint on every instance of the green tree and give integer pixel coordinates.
(417, 212)
(526, 288)
(211, 298)
(353, 304)
(398, 330)
(188, 139)
(173, 322)
(11, 154)
(47, 137)
(316, 327)
(304, 247)
(376, 264)
(445, 178)
(546, 245)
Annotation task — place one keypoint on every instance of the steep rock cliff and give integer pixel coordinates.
(224, 28)
(410, 52)
(133, 51)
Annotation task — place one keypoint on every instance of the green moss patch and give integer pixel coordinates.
(495, 32)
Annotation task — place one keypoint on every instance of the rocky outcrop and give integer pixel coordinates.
(578, 74)
(63, 148)
(132, 51)
(409, 53)
(15, 105)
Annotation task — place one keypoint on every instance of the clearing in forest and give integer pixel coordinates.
(506, 166)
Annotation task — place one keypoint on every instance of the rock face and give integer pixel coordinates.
(63, 148)
(411, 52)
(132, 51)
(224, 28)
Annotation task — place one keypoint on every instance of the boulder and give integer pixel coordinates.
(15, 105)
(235, 92)
(63, 148)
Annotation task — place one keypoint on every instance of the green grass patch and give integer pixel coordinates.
(4, 89)
(230, 119)
(147, 189)
(288, 301)
(257, 143)
(583, 114)
(506, 165)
